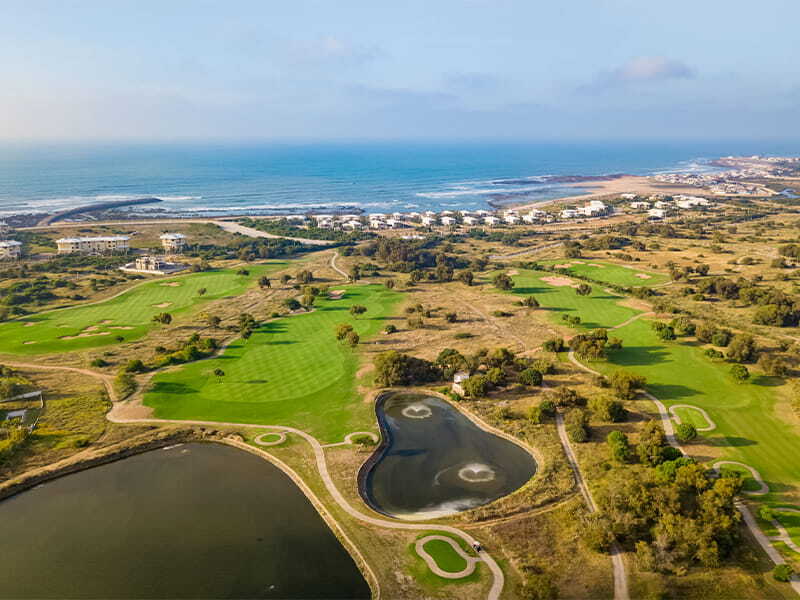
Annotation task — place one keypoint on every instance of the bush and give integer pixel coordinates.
(721, 338)
(394, 368)
(503, 282)
(548, 408)
(544, 366)
(496, 376)
(685, 432)
(713, 354)
(99, 362)
(135, 366)
(742, 349)
(577, 425)
(566, 397)
(773, 366)
(390, 329)
(530, 377)
(608, 410)
(124, 385)
(554, 345)
(782, 573)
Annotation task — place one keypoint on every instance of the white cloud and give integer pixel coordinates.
(329, 49)
(643, 69)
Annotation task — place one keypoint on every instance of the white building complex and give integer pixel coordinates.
(10, 250)
(93, 245)
(173, 242)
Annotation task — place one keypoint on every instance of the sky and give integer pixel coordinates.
(414, 69)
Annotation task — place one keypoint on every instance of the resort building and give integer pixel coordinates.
(657, 213)
(491, 221)
(152, 265)
(428, 220)
(458, 379)
(93, 245)
(173, 242)
(448, 221)
(10, 250)
(471, 220)
(511, 219)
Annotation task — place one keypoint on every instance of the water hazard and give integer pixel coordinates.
(193, 521)
(437, 462)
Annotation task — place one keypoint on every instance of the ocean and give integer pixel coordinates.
(216, 179)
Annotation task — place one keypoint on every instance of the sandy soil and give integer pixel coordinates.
(560, 281)
(633, 184)
(171, 284)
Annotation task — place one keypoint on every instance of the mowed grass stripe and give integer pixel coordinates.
(600, 309)
(292, 371)
(132, 310)
(611, 273)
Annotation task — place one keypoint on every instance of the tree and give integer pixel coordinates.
(163, 318)
(625, 384)
(357, 309)
(651, 443)
(352, 339)
(354, 273)
(476, 386)
(554, 345)
(213, 321)
(394, 368)
(202, 291)
(342, 329)
(451, 317)
(782, 572)
(304, 276)
(740, 373)
(530, 302)
(583, 289)
(577, 425)
(390, 328)
(619, 446)
(466, 277)
(503, 282)
(685, 432)
(530, 377)
(773, 366)
(292, 304)
(264, 282)
(608, 410)
(219, 374)
(389, 283)
(742, 349)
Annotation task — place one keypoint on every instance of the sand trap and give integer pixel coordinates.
(91, 328)
(642, 276)
(512, 272)
(29, 324)
(83, 335)
(171, 283)
(106, 321)
(27, 343)
(121, 327)
(594, 265)
(163, 305)
(336, 294)
(563, 266)
(559, 281)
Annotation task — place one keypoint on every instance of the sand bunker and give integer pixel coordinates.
(594, 265)
(106, 321)
(27, 343)
(559, 281)
(642, 276)
(83, 335)
(120, 327)
(91, 328)
(29, 324)
(513, 272)
(171, 283)
(563, 266)
(163, 305)
(336, 294)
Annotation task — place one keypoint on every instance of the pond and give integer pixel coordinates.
(191, 521)
(435, 461)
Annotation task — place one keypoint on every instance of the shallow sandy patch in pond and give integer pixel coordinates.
(559, 281)
(163, 305)
(642, 276)
(171, 284)
(83, 335)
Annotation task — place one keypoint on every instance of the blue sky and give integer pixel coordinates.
(431, 69)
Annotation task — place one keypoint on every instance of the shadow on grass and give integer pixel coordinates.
(641, 356)
(668, 391)
(731, 442)
(171, 387)
(767, 381)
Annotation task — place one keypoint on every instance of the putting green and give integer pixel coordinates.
(628, 276)
(599, 309)
(445, 556)
(128, 315)
(692, 416)
(292, 372)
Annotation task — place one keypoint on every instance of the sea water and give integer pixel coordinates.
(214, 179)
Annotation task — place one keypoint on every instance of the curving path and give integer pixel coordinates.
(747, 516)
(348, 439)
(711, 425)
(471, 561)
(337, 269)
(763, 487)
(260, 440)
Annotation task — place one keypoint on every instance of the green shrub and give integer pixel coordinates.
(782, 573)
(685, 432)
(530, 377)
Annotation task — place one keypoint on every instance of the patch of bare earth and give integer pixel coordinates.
(559, 281)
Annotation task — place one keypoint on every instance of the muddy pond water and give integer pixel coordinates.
(436, 461)
(192, 521)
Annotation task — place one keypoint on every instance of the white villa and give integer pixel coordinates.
(448, 220)
(471, 220)
(173, 242)
(428, 220)
(490, 220)
(458, 378)
(641, 205)
(657, 213)
(93, 245)
(511, 219)
(10, 250)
